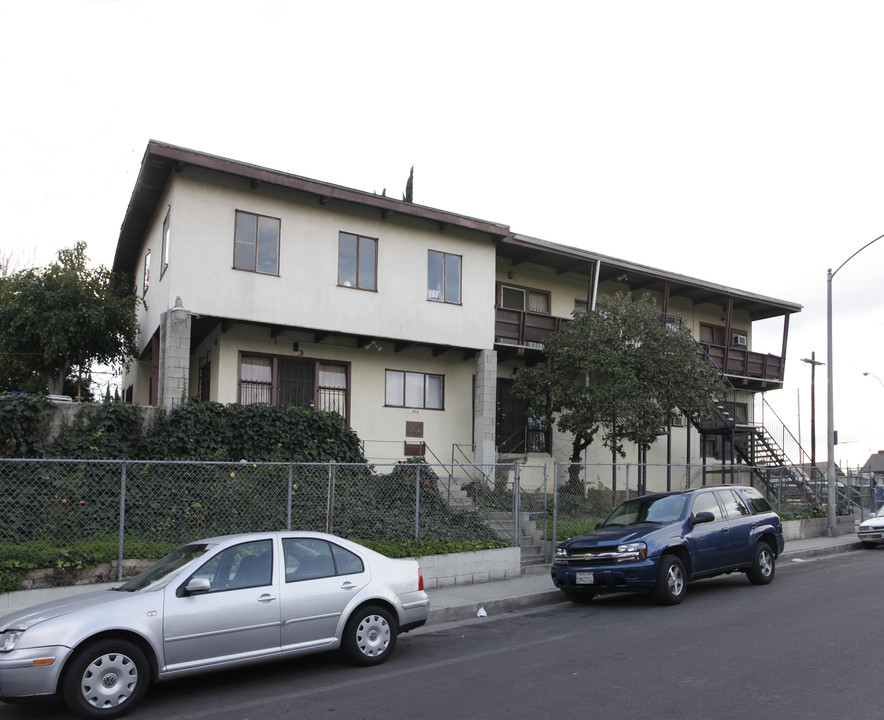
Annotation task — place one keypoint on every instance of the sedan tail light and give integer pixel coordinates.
(420, 579)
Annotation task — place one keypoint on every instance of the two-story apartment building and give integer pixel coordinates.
(411, 322)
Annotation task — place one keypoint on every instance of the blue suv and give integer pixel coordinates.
(660, 542)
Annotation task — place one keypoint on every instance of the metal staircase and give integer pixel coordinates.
(755, 446)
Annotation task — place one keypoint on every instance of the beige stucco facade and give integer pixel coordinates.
(301, 312)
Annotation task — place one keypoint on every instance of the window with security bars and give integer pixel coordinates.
(294, 381)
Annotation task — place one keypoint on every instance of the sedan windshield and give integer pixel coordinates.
(655, 509)
(160, 573)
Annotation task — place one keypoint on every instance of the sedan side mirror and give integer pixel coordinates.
(702, 517)
(197, 586)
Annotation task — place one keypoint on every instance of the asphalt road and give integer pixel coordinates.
(802, 647)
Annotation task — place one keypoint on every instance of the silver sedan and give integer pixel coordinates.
(214, 603)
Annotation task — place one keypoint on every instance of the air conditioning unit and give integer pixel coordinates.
(740, 340)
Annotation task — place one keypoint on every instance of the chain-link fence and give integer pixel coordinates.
(143, 508)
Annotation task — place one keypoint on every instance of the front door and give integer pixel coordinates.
(237, 618)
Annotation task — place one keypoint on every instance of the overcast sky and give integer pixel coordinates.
(739, 143)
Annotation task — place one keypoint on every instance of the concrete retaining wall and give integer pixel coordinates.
(441, 571)
(816, 527)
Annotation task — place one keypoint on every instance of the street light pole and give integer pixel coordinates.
(832, 527)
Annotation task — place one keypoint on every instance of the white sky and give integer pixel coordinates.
(735, 142)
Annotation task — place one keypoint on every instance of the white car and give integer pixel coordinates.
(871, 531)
(214, 603)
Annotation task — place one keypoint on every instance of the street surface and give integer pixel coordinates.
(802, 647)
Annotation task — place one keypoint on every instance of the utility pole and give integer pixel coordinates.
(813, 362)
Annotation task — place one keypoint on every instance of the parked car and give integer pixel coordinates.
(660, 542)
(214, 603)
(871, 531)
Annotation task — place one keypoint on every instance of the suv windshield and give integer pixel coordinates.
(160, 573)
(657, 509)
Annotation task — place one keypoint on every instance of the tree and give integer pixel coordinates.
(61, 318)
(408, 195)
(621, 373)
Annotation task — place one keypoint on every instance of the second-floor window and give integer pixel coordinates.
(357, 261)
(167, 227)
(518, 298)
(145, 283)
(256, 243)
(443, 277)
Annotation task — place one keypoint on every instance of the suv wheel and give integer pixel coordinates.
(762, 570)
(671, 581)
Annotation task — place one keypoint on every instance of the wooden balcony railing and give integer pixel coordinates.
(527, 329)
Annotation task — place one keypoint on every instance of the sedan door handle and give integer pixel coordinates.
(265, 598)
(725, 529)
(348, 585)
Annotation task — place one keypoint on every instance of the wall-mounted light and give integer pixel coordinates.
(179, 314)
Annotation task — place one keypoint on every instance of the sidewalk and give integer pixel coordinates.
(461, 602)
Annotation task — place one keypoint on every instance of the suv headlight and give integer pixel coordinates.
(632, 551)
(9, 639)
(561, 552)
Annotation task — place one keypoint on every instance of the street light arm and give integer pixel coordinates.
(832, 274)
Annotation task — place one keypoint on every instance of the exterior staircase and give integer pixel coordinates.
(531, 541)
(755, 446)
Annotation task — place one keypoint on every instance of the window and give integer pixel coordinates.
(580, 306)
(357, 261)
(164, 256)
(145, 284)
(443, 277)
(241, 566)
(516, 298)
(414, 390)
(712, 334)
(310, 558)
(256, 243)
(294, 381)
(256, 380)
(734, 506)
(757, 500)
(706, 502)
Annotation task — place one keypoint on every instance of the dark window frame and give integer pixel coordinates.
(253, 267)
(274, 384)
(443, 291)
(145, 278)
(526, 297)
(359, 241)
(164, 252)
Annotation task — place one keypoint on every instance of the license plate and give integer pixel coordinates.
(585, 578)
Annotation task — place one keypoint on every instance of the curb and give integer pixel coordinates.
(538, 598)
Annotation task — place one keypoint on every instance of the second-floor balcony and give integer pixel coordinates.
(521, 333)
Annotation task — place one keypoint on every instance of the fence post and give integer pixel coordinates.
(555, 533)
(122, 522)
(288, 517)
(516, 504)
(330, 510)
(417, 503)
